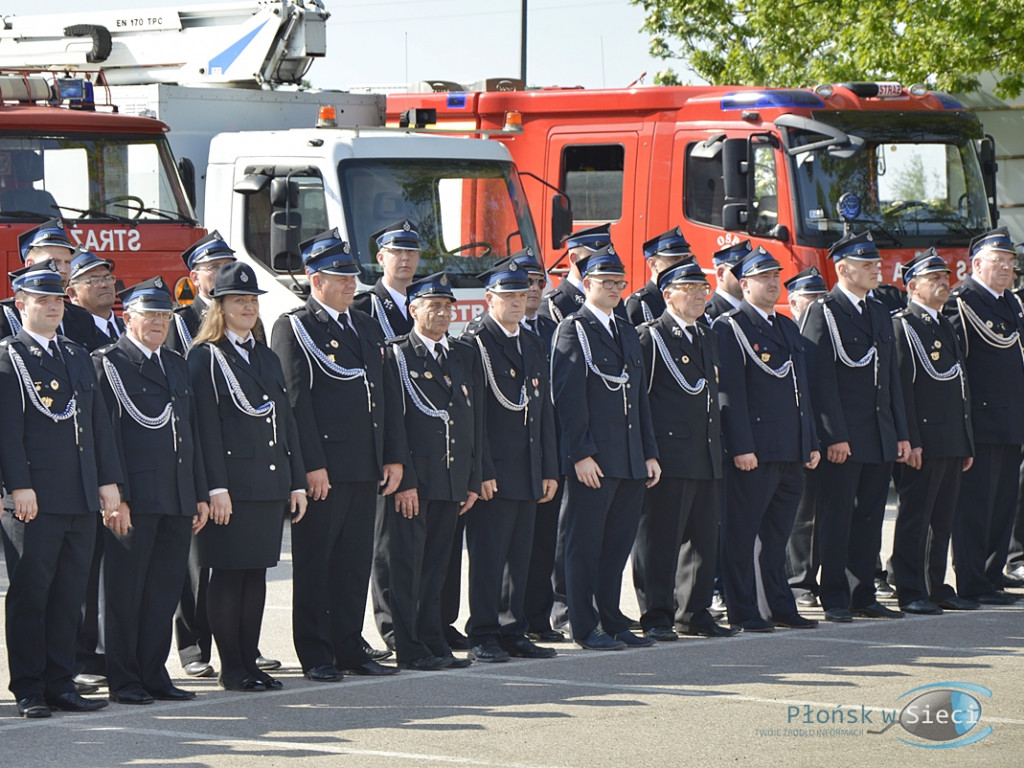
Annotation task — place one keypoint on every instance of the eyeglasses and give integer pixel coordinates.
(537, 282)
(151, 314)
(1004, 262)
(97, 280)
(211, 268)
(612, 285)
(693, 289)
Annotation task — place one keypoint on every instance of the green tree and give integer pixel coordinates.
(946, 44)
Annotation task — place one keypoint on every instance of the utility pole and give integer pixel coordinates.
(522, 46)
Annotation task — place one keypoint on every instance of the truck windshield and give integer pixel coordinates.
(82, 177)
(915, 182)
(469, 213)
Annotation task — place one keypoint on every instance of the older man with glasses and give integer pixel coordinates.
(989, 322)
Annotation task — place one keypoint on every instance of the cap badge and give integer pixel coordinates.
(159, 283)
(244, 277)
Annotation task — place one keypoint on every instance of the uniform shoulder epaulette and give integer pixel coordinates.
(3, 343)
(905, 312)
(105, 348)
(397, 339)
(730, 312)
(646, 324)
(464, 342)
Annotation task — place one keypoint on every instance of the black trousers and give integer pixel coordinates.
(48, 566)
(192, 633)
(90, 645)
(559, 602)
(675, 552)
(920, 543)
(332, 554)
(984, 519)
(1015, 554)
(142, 576)
(499, 534)
(761, 505)
(380, 574)
(540, 597)
(419, 549)
(600, 526)
(802, 547)
(852, 507)
(451, 592)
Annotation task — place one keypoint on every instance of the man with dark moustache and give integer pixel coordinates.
(441, 387)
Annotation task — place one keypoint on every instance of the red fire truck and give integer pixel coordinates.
(729, 163)
(66, 152)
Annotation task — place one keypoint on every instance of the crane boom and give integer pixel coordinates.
(239, 44)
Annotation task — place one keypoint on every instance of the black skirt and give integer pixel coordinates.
(251, 539)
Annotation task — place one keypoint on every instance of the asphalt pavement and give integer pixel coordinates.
(833, 696)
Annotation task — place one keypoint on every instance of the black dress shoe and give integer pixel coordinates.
(198, 669)
(840, 615)
(956, 603)
(171, 693)
(429, 663)
(246, 684)
(546, 636)
(996, 598)
(377, 654)
(488, 652)
(662, 634)
(372, 669)
(451, 661)
(33, 706)
(262, 662)
(455, 639)
(754, 625)
(1012, 582)
(923, 607)
(599, 640)
(133, 693)
(270, 683)
(876, 611)
(73, 702)
(712, 629)
(796, 621)
(325, 673)
(523, 648)
(634, 641)
(807, 600)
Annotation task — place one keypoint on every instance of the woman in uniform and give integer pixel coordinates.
(253, 466)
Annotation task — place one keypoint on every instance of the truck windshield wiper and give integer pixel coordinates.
(95, 213)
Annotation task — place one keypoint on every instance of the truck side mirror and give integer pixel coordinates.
(734, 217)
(561, 219)
(284, 241)
(284, 193)
(187, 172)
(989, 166)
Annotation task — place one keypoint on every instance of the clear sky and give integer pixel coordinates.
(594, 43)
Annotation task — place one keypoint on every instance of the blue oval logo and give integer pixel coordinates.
(946, 715)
